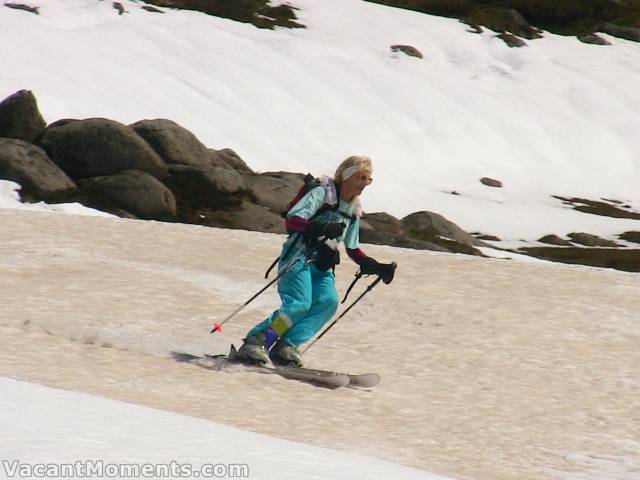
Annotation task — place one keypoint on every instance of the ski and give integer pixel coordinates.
(366, 380)
(321, 378)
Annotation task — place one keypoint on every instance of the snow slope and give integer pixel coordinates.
(508, 370)
(556, 118)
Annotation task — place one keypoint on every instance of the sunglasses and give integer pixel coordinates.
(366, 178)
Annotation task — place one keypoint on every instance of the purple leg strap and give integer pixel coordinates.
(270, 338)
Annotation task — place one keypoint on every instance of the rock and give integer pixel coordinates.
(615, 202)
(134, 191)
(98, 147)
(382, 222)
(596, 207)
(22, 6)
(426, 225)
(633, 237)
(257, 12)
(384, 238)
(151, 9)
(275, 190)
(173, 143)
(519, 26)
(224, 180)
(407, 49)
(420, 230)
(210, 189)
(625, 260)
(487, 238)
(227, 158)
(246, 216)
(119, 7)
(504, 21)
(628, 33)
(511, 40)
(28, 165)
(473, 28)
(415, 231)
(490, 182)
(591, 240)
(214, 181)
(555, 240)
(20, 117)
(62, 122)
(593, 39)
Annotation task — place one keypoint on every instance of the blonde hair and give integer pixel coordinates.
(351, 165)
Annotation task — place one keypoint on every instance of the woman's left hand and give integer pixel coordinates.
(386, 271)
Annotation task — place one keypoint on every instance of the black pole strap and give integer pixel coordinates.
(275, 262)
(358, 276)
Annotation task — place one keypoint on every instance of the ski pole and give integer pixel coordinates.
(369, 288)
(217, 327)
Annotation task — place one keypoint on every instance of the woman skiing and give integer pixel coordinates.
(327, 214)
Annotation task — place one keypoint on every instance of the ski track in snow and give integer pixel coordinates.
(490, 368)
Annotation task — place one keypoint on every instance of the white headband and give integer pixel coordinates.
(348, 172)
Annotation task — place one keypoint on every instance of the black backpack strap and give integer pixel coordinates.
(310, 182)
(324, 208)
(350, 217)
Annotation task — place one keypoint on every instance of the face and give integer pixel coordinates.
(356, 183)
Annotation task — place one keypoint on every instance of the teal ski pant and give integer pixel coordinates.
(309, 300)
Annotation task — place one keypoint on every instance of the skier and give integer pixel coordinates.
(327, 214)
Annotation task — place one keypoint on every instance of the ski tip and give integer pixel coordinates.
(367, 380)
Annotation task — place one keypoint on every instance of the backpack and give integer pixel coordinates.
(311, 182)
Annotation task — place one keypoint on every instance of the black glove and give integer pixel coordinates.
(326, 258)
(328, 230)
(386, 271)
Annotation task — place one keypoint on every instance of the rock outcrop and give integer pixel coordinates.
(158, 170)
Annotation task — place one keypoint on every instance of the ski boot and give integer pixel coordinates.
(285, 355)
(252, 350)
